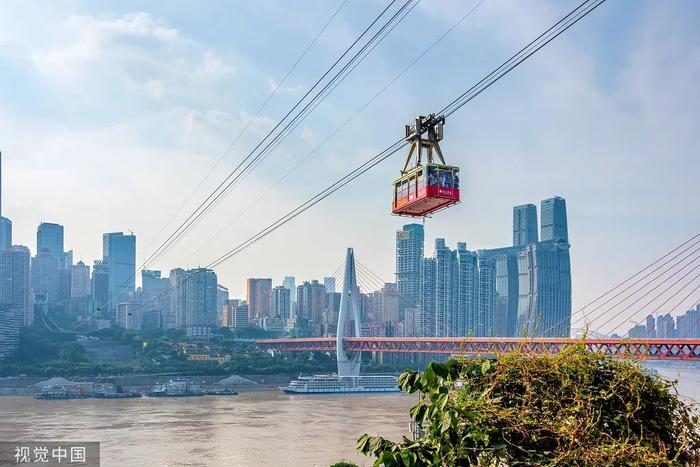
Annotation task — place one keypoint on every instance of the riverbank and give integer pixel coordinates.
(30, 385)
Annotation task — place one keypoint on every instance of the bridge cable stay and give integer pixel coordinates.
(682, 301)
(206, 204)
(581, 310)
(240, 134)
(657, 297)
(607, 312)
(652, 272)
(368, 283)
(371, 273)
(658, 308)
(561, 26)
(340, 127)
(610, 315)
(378, 282)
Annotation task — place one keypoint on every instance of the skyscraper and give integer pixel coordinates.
(329, 284)
(544, 304)
(49, 237)
(311, 303)
(281, 300)
(119, 254)
(259, 298)
(178, 300)
(467, 282)
(5, 223)
(201, 311)
(409, 257)
(554, 224)
(290, 283)
(15, 285)
(524, 224)
(46, 277)
(445, 290)
(5, 232)
(80, 280)
(427, 296)
(100, 286)
(155, 299)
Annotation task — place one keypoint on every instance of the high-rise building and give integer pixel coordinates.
(289, 283)
(15, 285)
(445, 290)
(281, 299)
(524, 224)
(242, 317)
(5, 223)
(390, 303)
(119, 253)
(544, 290)
(259, 298)
(329, 284)
(46, 277)
(519, 290)
(506, 295)
(100, 286)
(228, 313)
(201, 312)
(129, 315)
(5, 232)
(155, 300)
(665, 327)
(49, 237)
(427, 296)
(80, 280)
(10, 322)
(178, 299)
(409, 257)
(554, 224)
(221, 297)
(467, 291)
(311, 303)
(651, 326)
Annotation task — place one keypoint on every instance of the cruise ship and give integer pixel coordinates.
(334, 384)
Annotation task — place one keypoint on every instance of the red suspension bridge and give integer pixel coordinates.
(644, 349)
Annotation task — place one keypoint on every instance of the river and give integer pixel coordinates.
(256, 428)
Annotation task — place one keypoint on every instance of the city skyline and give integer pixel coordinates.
(602, 180)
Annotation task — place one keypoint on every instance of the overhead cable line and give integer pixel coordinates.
(561, 26)
(235, 174)
(276, 88)
(340, 127)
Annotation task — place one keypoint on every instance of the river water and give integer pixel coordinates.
(256, 428)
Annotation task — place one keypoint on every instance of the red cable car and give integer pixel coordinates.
(430, 187)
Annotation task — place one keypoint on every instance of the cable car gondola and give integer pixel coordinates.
(430, 187)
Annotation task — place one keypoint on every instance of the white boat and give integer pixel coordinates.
(334, 384)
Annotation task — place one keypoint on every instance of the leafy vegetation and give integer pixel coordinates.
(574, 408)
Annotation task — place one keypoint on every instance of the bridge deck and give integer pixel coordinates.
(655, 349)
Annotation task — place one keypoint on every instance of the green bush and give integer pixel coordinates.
(574, 408)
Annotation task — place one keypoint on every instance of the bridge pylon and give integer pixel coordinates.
(348, 363)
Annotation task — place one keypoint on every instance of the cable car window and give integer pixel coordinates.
(421, 180)
(456, 180)
(404, 189)
(446, 179)
(432, 176)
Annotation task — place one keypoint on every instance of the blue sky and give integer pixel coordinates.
(112, 112)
